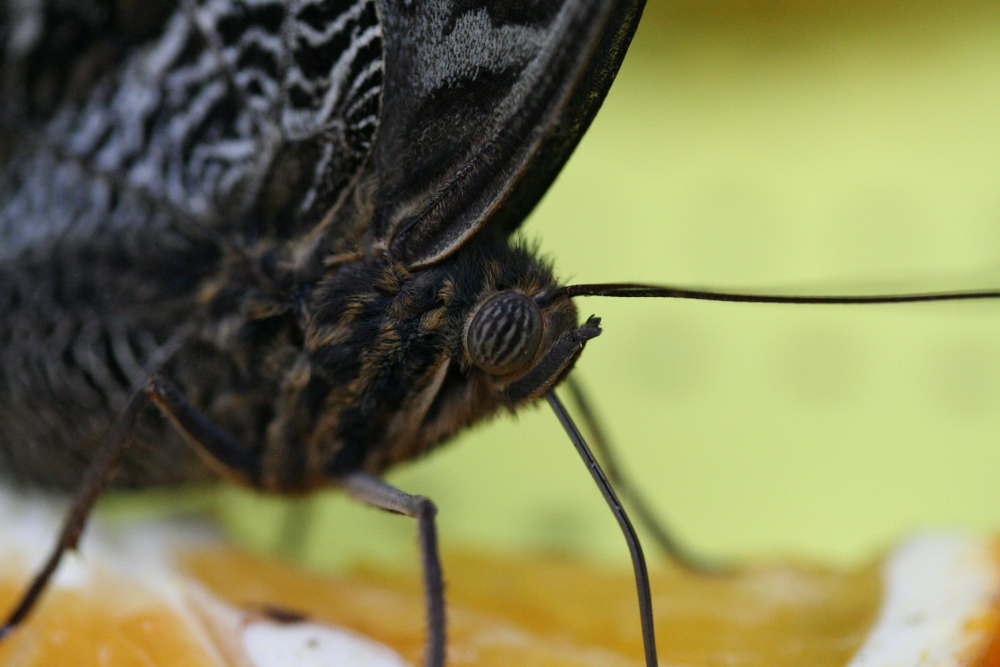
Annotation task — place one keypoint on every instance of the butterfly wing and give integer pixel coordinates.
(483, 103)
(253, 116)
(128, 158)
(248, 117)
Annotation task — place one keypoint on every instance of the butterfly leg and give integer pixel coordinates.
(646, 516)
(217, 449)
(373, 491)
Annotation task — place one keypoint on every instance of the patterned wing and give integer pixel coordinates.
(134, 135)
(484, 101)
(248, 116)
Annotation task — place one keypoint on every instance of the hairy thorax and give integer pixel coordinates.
(364, 367)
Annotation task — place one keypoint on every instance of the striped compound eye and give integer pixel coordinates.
(505, 333)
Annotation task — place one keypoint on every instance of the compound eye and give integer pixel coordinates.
(505, 333)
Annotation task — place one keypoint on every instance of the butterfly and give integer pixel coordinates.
(272, 241)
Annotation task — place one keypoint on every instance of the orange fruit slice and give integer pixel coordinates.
(170, 594)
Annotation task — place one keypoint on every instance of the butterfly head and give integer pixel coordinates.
(525, 344)
(516, 340)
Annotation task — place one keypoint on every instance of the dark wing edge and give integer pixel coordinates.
(528, 138)
(579, 111)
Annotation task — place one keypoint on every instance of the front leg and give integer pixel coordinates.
(373, 491)
(216, 448)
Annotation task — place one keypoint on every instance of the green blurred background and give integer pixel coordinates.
(816, 146)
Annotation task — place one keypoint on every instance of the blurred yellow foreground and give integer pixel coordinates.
(168, 594)
(502, 613)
